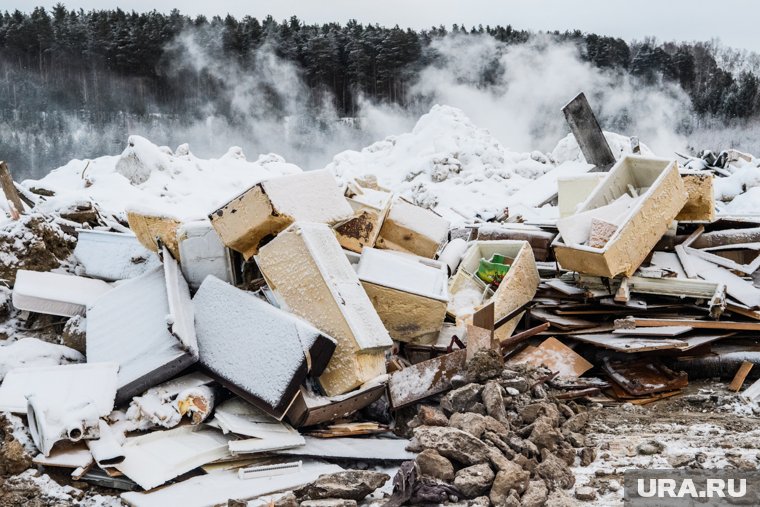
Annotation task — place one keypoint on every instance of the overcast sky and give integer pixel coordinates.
(734, 22)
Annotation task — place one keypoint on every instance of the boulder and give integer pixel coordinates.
(434, 465)
(451, 443)
(348, 484)
(475, 480)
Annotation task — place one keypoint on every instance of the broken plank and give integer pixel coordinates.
(585, 127)
(629, 344)
(736, 287)
(741, 375)
(745, 312)
(688, 267)
(636, 322)
(655, 331)
(623, 294)
(559, 321)
(9, 188)
(565, 288)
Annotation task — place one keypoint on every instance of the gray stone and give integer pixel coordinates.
(475, 480)
(493, 399)
(588, 456)
(462, 399)
(485, 365)
(545, 435)
(650, 447)
(481, 501)
(510, 478)
(431, 416)
(473, 424)
(585, 493)
(74, 333)
(451, 443)
(348, 484)
(535, 495)
(434, 465)
(576, 423)
(555, 472)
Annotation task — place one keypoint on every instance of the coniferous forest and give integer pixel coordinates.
(67, 74)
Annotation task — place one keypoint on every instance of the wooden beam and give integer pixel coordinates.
(518, 338)
(9, 188)
(585, 127)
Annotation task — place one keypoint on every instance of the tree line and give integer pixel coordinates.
(112, 65)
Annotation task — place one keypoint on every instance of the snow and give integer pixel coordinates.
(35, 352)
(177, 184)
(314, 196)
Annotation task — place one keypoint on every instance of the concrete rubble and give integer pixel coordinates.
(322, 344)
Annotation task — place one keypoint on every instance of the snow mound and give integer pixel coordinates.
(151, 177)
(567, 150)
(446, 163)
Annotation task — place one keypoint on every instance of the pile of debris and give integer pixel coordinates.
(308, 337)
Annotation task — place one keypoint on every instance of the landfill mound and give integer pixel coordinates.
(432, 320)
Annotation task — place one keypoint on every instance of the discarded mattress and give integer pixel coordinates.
(410, 293)
(267, 208)
(112, 256)
(56, 294)
(310, 275)
(256, 350)
(413, 229)
(146, 326)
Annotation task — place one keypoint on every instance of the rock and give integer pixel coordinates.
(525, 447)
(14, 458)
(481, 501)
(493, 399)
(498, 460)
(475, 480)
(538, 392)
(555, 472)
(431, 416)
(650, 447)
(286, 500)
(494, 426)
(511, 391)
(559, 498)
(544, 435)
(473, 424)
(535, 495)
(31, 489)
(329, 502)
(32, 243)
(512, 500)
(451, 443)
(496, 441)
(74, 333)
(565, 452)
(511, 478)
(575, 439)
(576, 423)
(532, 412)
(518, 383)
(348, 484)
(463, 399)
(588, 456)
(528, 464)
(485, 365)
(585, 493)
(434, 465)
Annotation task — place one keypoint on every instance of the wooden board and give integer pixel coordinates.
(629, 344)
(562, 322)
(582, 121)
(741, 375)
(655, 331)
(696, 324)
(556, 356)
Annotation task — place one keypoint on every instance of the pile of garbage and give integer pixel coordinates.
(311, 337)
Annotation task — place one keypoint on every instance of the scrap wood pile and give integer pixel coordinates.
(306, 326)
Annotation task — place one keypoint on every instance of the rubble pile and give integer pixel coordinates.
(311, 337)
